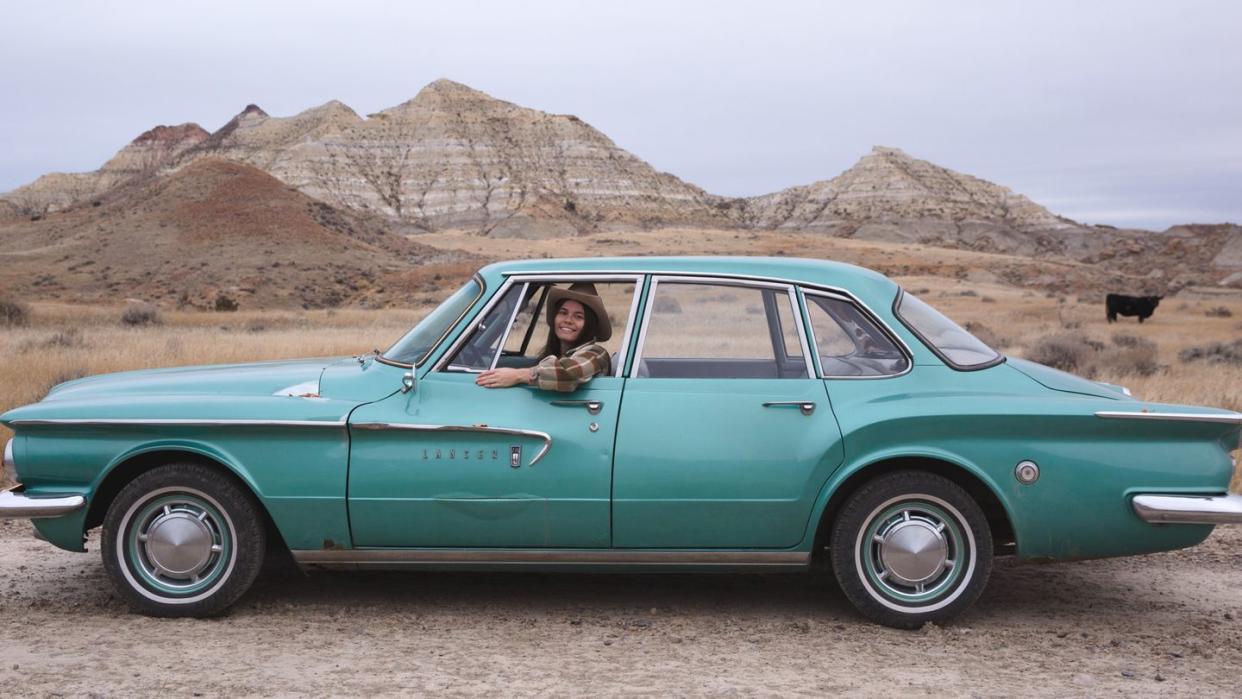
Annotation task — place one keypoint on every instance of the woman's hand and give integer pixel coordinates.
(503, 378)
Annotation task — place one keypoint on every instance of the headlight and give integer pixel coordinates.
(10, 468)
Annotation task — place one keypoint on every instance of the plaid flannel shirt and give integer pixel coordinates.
(567, 373)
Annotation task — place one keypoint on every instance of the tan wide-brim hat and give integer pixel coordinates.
(585, 294)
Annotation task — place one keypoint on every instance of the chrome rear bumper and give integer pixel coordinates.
(1189, 509)
(14, 505)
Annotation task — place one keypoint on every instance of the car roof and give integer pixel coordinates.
(793, 269)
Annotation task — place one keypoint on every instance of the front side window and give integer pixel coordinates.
(515, 331)
(418, 343)
(700, 330)
(958, 348)
(849, 343)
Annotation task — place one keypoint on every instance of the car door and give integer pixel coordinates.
(453, 464)
(726, 436)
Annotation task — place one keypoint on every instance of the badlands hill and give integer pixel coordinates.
(452, 157)
(455, 159)
(212, 227)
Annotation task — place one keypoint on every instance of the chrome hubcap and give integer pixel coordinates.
(178, 544)
(913, 551)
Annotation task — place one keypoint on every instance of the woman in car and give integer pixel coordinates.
(577, 321)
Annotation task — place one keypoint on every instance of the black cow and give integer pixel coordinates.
(1141, 306)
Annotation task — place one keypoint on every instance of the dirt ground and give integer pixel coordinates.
(1161, 624)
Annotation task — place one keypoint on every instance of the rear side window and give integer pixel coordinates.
(849, 343)
(704, 330)
(958, 348)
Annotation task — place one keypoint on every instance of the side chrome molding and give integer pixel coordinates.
(143, 422)
(477, 429)
(412, 558)
(1226, 418)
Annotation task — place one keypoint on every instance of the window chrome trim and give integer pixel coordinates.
(814, 287)
(720, 281)
(1225, 418)
(999, 359)
(179, 422)
(704, 280)
(796, 310)
(869, 315)
(476, 429)
(623, 353)
(675, 273)
(478, 278)
(636, 278)
(500, 348)
(396, 558)
(642, 333)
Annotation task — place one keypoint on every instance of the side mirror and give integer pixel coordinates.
(407, 382)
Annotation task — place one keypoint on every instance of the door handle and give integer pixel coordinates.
(806, 406)
(592, 406)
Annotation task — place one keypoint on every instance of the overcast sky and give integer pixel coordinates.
(1126, 113)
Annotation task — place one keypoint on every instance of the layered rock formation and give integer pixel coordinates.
(888, 189)
(213, 227)
(143, 158)
(455, 158)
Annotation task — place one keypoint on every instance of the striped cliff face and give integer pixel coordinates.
(454, 157)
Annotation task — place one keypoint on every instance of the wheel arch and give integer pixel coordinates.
(134, 462)
(969, 478)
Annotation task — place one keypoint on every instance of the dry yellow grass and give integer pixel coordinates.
(64, 342)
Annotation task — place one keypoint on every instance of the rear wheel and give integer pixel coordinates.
(183, 540)
(911, 547)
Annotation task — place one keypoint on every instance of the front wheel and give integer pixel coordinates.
(182, 540)
(911, 547)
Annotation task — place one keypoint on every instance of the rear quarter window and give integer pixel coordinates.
(948, 340)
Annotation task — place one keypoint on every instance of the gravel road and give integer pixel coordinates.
(1160, 624)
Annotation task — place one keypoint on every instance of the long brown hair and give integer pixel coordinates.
(590, 330)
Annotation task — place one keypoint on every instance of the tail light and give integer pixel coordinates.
(10, 468)
(1235, 485)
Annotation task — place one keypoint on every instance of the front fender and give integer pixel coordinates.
(68, 532)
(298, 474)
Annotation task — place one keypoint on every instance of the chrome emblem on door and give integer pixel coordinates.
(515, 456)
(463, 454)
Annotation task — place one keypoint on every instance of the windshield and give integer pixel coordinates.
(418, 343)
(958, 348)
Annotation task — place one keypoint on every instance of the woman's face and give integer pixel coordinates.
(570, 318)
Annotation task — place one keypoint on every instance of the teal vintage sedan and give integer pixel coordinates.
(758, 415)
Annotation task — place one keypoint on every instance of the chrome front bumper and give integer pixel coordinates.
(14, 505)
(1189, 509)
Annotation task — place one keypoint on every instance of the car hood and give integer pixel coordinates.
(294, 377)
(1059, 380)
